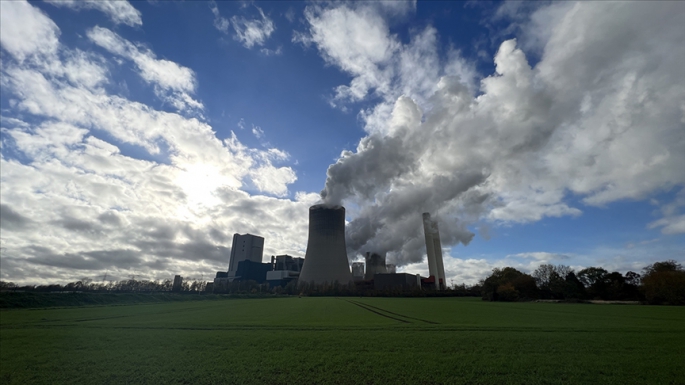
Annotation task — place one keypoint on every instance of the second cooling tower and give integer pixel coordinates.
(326, 256)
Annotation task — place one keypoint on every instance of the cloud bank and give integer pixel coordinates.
(599, 117)
(74, 204)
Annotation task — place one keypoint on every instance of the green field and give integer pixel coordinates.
(344, 341)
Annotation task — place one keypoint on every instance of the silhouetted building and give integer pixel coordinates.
(375, 264)
(245, 247)
(326, 256)
(285, 270)
(178, 283)
(402, 281)
(221, 282)
(209, 287)
(358, 271)
(286, 262)
(252, 271)
(281, 277)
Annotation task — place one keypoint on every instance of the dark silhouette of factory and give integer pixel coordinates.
(325, 261)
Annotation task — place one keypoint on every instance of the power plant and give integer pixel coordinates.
(436, 270)
(325, 260)
(375, 264)
(358, 271)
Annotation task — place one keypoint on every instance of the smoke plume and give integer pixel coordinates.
(587, 120)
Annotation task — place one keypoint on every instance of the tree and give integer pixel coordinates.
(658, 267)
(507, 292)
(573, 288)
(614, 286)
(550, 280)
(664, 283)
(633, 278)
(595, 281)
(508, 284)
(591, 275)
(7, 285)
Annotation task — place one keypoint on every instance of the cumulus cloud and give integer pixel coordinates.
(120, 11)
(251, 32)
(599, 116)
(72, 204)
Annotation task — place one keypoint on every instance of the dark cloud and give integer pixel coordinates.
(92, 260)
(219, 236)
(79, 225)
(10, 219)
(110, 218)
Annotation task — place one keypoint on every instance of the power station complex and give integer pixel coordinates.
(325, 260)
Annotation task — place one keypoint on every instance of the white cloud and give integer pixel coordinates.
(173, 82)
(356, 38)
(76, 206)
(257, 131)
(252, 32)
(671, 224)
(26, 30)
(599, 116)
(542, 256)
(120, 11)
(272, 52)
(220, 23)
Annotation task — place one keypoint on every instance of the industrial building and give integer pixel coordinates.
(325, 260)
(436, 269)
(402, 281)
(245, 264)
(252, 271)
(284, 269)
(357, 271)
(246, 247)
(178, 283)
(221, 282)
(375, 264)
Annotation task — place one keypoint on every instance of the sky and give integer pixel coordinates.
(138, 137)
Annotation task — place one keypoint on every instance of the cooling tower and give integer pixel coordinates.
(326, 256)
(375, 264)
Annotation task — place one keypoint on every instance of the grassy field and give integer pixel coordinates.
(344, 341)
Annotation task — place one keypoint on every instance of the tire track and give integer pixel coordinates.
(402, 315)
(378, 313)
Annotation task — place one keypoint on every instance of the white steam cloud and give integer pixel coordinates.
(599, 116)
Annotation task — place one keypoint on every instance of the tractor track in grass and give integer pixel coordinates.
(365, 307)
(402, 315)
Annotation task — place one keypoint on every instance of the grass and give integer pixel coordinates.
(344, 341)
(29, 300)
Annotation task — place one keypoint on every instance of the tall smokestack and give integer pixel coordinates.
(326, 256)
(437, 249)
(434, 251)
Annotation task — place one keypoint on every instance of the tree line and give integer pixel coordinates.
(659, 283)
(124, 286)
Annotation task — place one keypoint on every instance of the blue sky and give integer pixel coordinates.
(138, 137)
